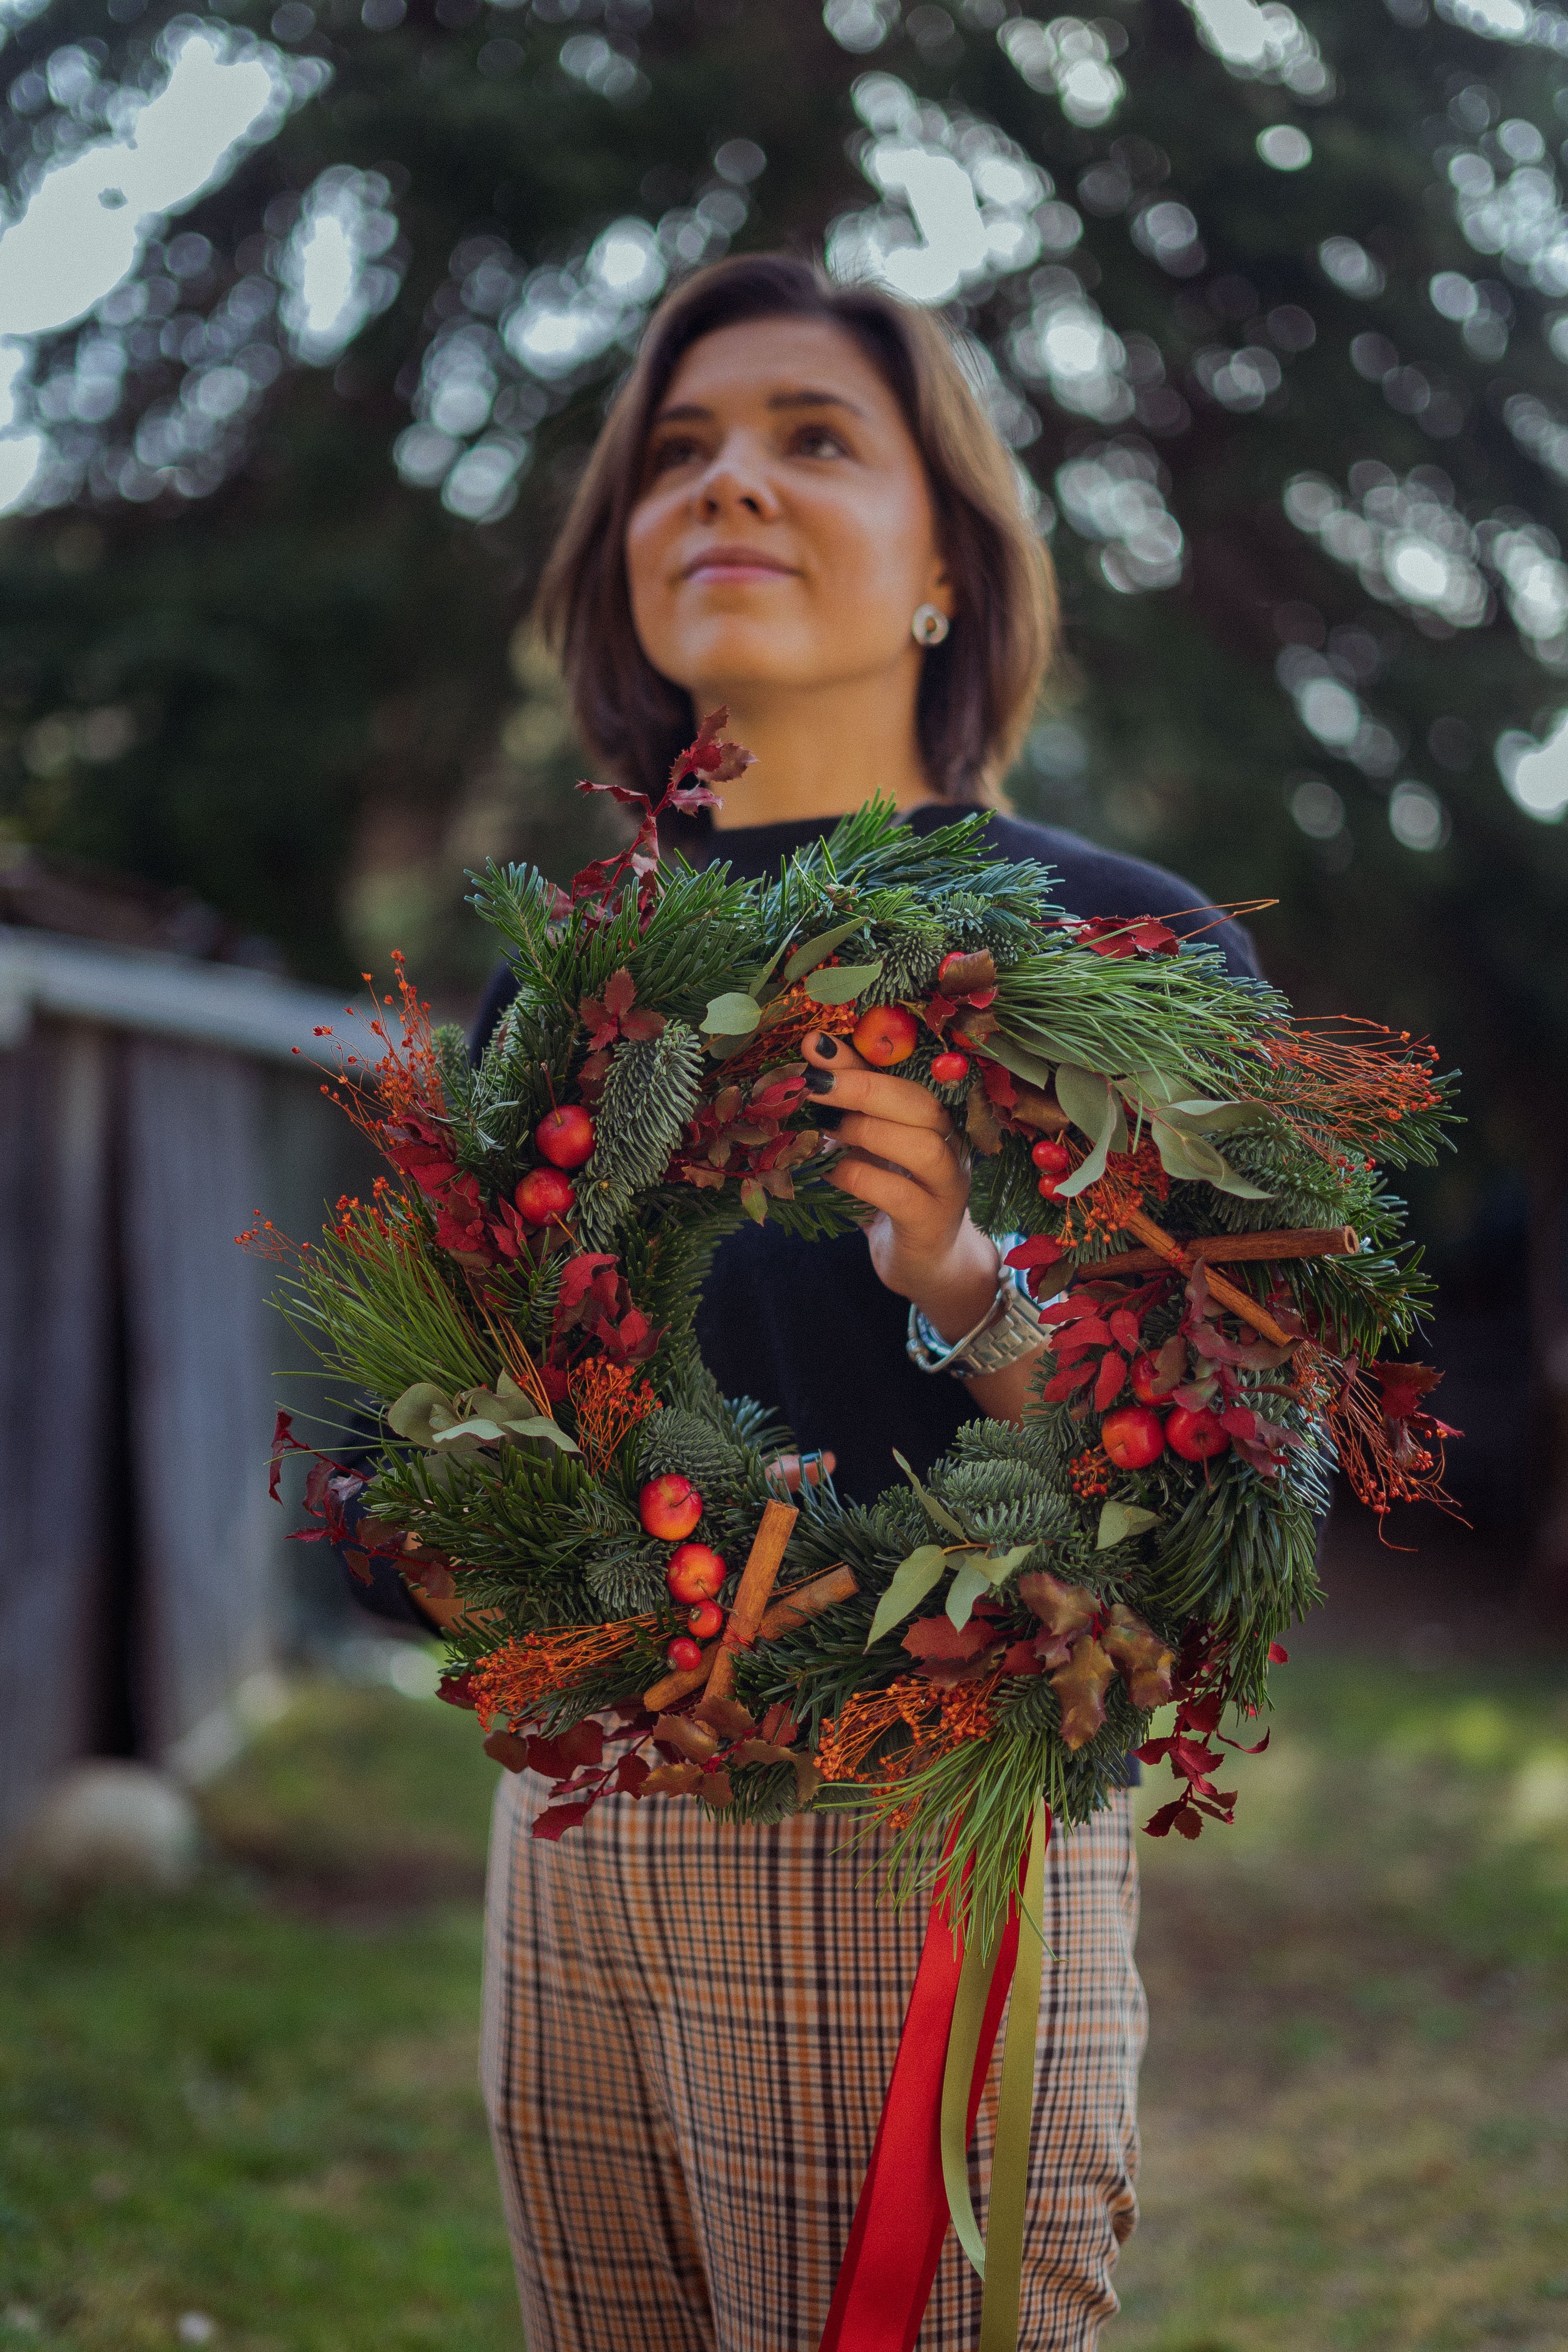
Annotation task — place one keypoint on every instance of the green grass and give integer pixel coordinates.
(1355, 2104)
(257, 2101)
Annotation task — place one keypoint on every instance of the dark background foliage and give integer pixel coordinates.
(264, 638)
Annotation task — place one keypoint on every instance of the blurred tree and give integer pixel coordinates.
(1273, 307)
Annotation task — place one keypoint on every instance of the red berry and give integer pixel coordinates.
(1133, 1436)
(669, 1507)
(566, 1136)
(1195, 1436)
(1052, 1159)
(695, 1573)
(683, 1656)
(948, 1068)
(884, 1035)
(704, 1621)
(1145, 1380)
(1049, 1187)
(542, 1194)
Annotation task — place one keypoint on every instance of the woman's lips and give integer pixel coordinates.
(725, 564)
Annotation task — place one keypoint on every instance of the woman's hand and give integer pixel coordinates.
(904, 1156)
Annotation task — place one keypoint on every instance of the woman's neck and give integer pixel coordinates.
(819, 752)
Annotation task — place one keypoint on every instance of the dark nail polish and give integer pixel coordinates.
(827, 1047)
(818, 1082)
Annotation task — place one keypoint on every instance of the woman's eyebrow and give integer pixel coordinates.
(692, 412)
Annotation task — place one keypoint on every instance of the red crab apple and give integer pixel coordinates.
(695, 1573)
(948, 1068)
(1051, 1159)
(683, 1655)
(1133, 1436)
(884, 1035)
(543, 1193)
(704, 1621)
(669, 1507)
(1195, 1436)
(566, 1136)
(1144, 1379)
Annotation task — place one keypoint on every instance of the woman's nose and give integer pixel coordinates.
(736, 483)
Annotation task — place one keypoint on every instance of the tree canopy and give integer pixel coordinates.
(1272, 306)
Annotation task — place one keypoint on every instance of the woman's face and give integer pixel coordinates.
(783, 536)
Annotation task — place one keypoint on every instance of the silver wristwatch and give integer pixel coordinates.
(1011, 1327)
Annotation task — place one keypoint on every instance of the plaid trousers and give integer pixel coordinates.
(689, 2030)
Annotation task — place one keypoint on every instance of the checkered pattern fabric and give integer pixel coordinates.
(688, 2031)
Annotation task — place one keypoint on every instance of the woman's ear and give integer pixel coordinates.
(940, 590)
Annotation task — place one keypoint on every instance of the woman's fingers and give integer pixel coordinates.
(809, 1468)
(930, 1157)
(847, 1083)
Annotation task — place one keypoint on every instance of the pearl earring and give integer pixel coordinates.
(930, 626)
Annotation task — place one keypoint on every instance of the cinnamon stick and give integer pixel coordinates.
(1170, 1252)
(782, 1616)
(757, 1579)
(1233, 1249)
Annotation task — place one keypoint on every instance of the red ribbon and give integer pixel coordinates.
(889, 2264)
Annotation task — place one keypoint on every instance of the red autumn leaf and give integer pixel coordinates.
(939, 1638)
(1112, 1376)
(554, 1821)
(1038, 1250)
(1278, 1655)
(1125, 1329)
(508, 1747)
(458, 1690)
(1155, 938)
(1080, 1686)
(1160, 1824)
(630, 1774)
(1188, 1825)
(998, 1083)
(1022, 1658)
(1065, 1382)
(1404, 1386)
(1090, 1332)
(673, 1781)
(1238, 1420)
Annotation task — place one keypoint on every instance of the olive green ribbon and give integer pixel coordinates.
(999, 2256)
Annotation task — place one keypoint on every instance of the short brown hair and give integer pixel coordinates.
(977, 690)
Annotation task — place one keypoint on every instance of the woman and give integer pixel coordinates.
(798, 509)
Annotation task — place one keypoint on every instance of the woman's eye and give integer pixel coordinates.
(671, 452)
(817, 441)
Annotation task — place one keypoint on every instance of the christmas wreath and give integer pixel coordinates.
(1192, 1182)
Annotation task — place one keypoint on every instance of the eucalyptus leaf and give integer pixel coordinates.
(732, 1015)
(1148, 1088)
(1120, 1520)
(1090, 1102)
(537, 1426)
(912, 1580)
(811, 953)
(411, 1417)
(967, 1587)
(1019, 1060)
(760, 978)
(482, 1432)
(1000, 1566)
(934, 1510)
(843, 982)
